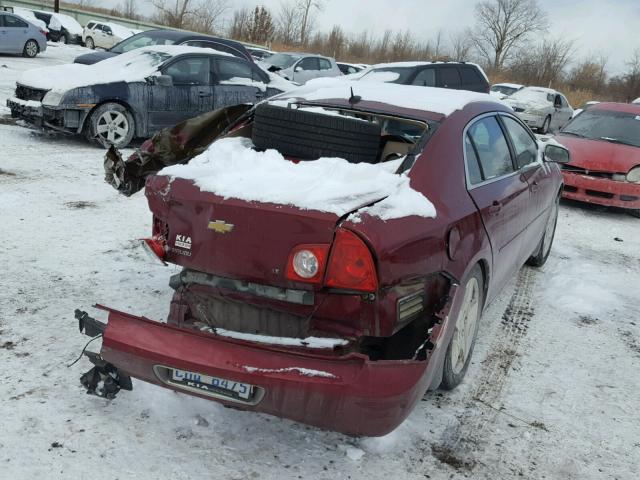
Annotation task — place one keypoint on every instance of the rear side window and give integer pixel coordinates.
(14, 22)
(425, 78)
(449, 77)
(470, 76)
(189, 71)
(310, 63)
(491, 146)
(90, 25)
(220, 47)
(525, 147)
(324, 64)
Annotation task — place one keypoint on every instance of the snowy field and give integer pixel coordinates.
(553, 391)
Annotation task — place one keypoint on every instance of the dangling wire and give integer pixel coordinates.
(82, 352)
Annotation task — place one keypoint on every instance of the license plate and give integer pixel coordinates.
(210, 384)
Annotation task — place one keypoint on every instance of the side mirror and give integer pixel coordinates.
(164, 80)
(556, 154)
(298, 69)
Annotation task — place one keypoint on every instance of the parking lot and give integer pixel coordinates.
(552, 390)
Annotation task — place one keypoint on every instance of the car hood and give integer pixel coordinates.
(526, 105)
(94, 57)
(600, 155)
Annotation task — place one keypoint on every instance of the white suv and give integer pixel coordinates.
(104, 35)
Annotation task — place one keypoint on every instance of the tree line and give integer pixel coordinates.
(509, 38)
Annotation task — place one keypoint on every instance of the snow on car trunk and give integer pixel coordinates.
(232, 169)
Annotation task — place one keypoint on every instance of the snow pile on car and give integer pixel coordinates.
(133, 66)
(121, 31)
(231, 168)
(430, 99)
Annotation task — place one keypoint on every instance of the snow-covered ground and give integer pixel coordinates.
(552, 392)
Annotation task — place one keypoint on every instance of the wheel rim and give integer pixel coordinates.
(90, 43)
(112, 126)
(465, 326)
(32, 49)
(550, 229)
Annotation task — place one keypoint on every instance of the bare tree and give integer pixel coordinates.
(307, 9)
(504, 25)
(261, 26)
(460, 46)
(240, 24)
(542, 64)
(288, 23)
(128, 9)
(200, 15)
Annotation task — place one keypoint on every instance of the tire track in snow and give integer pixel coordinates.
(462, 444)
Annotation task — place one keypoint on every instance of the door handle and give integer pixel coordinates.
(495, 208)
(204, 94)
(534, 186)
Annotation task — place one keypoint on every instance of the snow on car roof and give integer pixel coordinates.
(437, 100)
(542, 89)
(133, 66)
(30, 17)
(231, 168)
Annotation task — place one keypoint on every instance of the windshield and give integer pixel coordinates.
(504, 89)
(282, 60)
(618, 127)
(389, 75)
(138, 41)
(532, 95)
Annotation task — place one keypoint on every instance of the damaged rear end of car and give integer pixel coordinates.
(310, 305)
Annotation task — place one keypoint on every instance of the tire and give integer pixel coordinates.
(110, 124)
(460, 349)
(89, 43)
(634, 213)
(545, 125)
(63, 39)
(539, 258)
(30, 49)
(308, 135)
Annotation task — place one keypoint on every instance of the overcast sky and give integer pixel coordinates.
(609, 27)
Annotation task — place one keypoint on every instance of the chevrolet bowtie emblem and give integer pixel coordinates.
(220, 226)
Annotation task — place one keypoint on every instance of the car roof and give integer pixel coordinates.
(543, 89)
(181, 36)
(617, 107)
(509, 85)
(425, 63)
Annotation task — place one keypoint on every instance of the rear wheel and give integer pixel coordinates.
(63, 38)
(111, 124)
(89, 43)
(545, 126)
(539, 258)
(460, 348)
(30, 49)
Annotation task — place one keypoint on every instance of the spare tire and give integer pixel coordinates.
(309, 135)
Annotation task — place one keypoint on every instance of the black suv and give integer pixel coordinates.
(456, 75)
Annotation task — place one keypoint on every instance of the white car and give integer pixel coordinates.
(301, 67)
(541, 108)
(105, 35)
(503, 90)
(637, 100)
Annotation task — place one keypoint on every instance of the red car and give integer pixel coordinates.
(604, 142)
(342, 321)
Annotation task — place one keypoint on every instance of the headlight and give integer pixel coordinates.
(634, 175)
(52, 98)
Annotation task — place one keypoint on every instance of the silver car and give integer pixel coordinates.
(301, 67)
(19, 36)
(541, 108)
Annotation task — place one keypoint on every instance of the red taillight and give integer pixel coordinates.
(351, 265)
(155, 248)
(307, 263)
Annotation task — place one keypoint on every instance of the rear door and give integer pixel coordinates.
(236, 81)
(500, 192)
(190, 95)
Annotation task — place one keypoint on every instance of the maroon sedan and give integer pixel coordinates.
(344, 314)
(604, 142)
